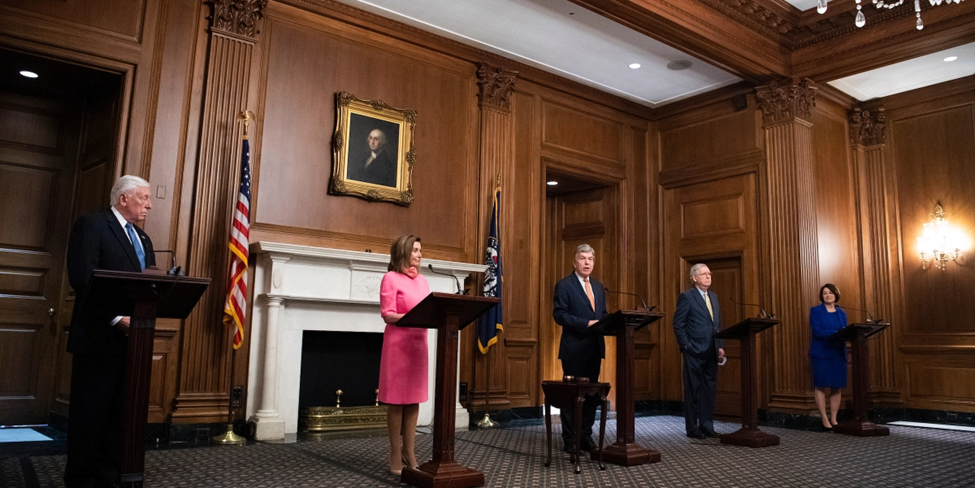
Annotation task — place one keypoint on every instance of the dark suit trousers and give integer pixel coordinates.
(586, 369)
(95, 421)
(700, 379)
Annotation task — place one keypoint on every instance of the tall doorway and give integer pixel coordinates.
(58, 139)
(578, 211)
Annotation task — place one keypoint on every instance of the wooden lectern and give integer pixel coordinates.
(448, 313)
(749, 433)
(857, 335)
(143, 297)
(623, 324)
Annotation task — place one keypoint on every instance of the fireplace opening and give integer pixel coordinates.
(334, 361)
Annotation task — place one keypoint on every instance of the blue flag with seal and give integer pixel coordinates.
(491, 323)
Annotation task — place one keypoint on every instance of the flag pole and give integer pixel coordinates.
(486, 422)
(230, 438)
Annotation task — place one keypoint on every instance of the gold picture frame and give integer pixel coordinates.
(372, 150)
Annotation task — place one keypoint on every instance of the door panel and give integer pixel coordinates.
(38, 146)
(726, 281)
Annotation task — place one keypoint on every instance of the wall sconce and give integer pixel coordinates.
(940, 241)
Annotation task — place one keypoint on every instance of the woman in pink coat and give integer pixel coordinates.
(403, 366)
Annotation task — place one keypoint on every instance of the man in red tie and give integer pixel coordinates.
(580, 302)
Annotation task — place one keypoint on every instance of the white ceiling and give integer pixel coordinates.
(909, 75)
(563, 38)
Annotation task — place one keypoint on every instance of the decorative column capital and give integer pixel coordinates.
(237, 17)
(867, 128)
(787, 99)
(496, 86)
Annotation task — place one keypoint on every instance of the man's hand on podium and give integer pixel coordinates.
(123, 325)
(591, 322)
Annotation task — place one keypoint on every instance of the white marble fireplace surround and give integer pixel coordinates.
(299, 288)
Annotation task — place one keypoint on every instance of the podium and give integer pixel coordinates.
(857, 335)
(749, 434)
(143, 297)
(623, 324)
(448, 313)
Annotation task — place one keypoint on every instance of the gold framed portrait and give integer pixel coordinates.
(372, 150)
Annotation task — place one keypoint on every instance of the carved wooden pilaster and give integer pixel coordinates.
(205, 373)
(878, 233)
(792, 235)
(496, 85)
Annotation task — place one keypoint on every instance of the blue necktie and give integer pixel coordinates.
(136, 244)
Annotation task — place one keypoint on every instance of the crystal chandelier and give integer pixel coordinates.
(862, 21)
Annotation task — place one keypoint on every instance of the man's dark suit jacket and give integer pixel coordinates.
(693, 325)
(98, 241)
(571, 310)
(382, 170)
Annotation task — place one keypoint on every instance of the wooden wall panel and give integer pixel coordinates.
(305, 65)
(933, 155)
(947, 383)
(574, 131)
(686, 143)
(122, 19)
(836, 213)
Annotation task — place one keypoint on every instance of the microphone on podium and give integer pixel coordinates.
(764, 314)
(460, 291)
(175, 270)
(870, 319)
(632, 295)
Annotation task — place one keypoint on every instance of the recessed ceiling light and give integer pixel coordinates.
(552, 183)
(678, 65)
(28, 74)
(951, 58)
(635, 66)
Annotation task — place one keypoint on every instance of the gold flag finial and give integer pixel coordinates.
(246, 116)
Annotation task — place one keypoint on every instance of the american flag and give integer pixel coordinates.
(239, 232)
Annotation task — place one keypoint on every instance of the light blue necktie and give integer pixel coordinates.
(136, 244)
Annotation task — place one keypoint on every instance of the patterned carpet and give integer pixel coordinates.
(513, 457)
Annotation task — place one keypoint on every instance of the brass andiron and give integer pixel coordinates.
(377, 397)
(338, 398)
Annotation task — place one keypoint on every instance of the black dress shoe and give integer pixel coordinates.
(710, 433)
(586, 444)
(696, 434)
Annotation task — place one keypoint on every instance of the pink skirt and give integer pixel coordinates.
(403, 368)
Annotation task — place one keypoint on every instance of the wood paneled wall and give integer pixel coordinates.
(931, 144)
(693, 185)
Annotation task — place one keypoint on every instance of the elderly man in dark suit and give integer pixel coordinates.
(106, 240)
(580, 302)
(696, 321)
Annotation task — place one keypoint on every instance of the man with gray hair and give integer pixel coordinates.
(106, 240)
(696, 320)
(579, 302)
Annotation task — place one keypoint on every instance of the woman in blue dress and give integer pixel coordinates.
(828, 356)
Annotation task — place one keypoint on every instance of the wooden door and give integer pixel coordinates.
(726, 281)
(574, 218)
(38, 150)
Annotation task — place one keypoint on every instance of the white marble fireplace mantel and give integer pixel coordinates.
(299, 288)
